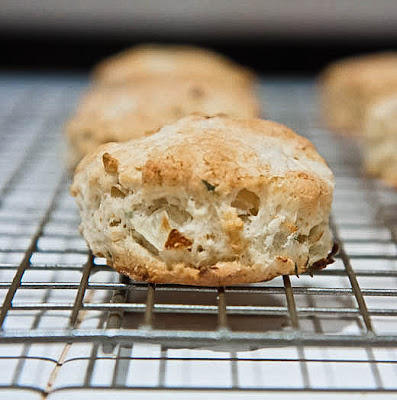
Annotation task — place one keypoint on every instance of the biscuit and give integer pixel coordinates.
(350, 86)
(380, 140)
(170, 60)
(208, 201)
(122, 112)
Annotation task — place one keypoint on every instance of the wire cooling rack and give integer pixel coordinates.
(71, 326)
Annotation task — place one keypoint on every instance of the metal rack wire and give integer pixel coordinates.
(71, 325)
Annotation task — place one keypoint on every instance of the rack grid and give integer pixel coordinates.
(70, 325)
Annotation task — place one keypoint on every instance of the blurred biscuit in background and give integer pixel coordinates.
(117, 113)
(348, 87)
(380, 146)
(170, 60)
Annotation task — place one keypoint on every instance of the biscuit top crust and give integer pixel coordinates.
(167, 60)
(216, 154)
(371, 71)
(117, 113)
(166, 98)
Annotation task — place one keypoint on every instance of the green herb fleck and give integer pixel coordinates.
(209, 187)
(128, 214)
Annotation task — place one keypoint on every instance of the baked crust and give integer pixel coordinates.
(249, 199)
(118, 113)
(348, 87)
(170, 60)
(220, 274)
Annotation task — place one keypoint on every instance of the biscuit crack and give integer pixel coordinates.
(247, 202)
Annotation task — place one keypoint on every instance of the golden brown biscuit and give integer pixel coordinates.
(348, 87)
(208, 201)
(117, 113)
(170, 60)
(380, 144)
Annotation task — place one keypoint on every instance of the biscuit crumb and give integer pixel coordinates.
(291, 227)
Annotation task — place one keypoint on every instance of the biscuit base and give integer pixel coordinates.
(221, 274)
